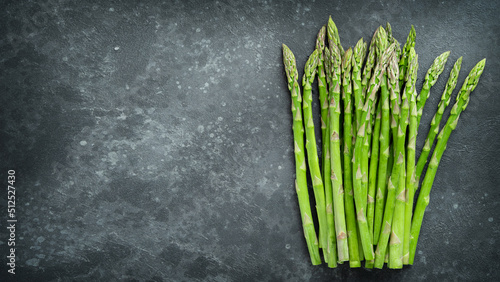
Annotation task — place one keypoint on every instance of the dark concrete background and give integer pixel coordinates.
(152, 141)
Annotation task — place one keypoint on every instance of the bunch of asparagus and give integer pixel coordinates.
(365, 184)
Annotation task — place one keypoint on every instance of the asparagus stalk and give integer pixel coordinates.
(359, 54)
(367, 73)
(381, 253)
(357, 174)
(391, 39)
(395, 98)
(300, 165)
(332, 240)
(323, 93)
(431, 77)
(374, 161)
(382, 41)
(388, 30)
(359, 194)
(312, 153)
(402, 176)
(395, 185)
(390, 165)
(331, 247)
(365, 151)
(368, 196)
(352, 234)
(333, 36)
(360, 248)
(390, 162)
(403, 62)
(336, 164)
(436, 120)
(410, 176)
(397, 235)
(380, 45)
(330, 250)
(372, 175)
(462, 101)
(369, 264)
(384, 139)
(357, 63)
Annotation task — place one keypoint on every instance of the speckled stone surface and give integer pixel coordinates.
(152, 141)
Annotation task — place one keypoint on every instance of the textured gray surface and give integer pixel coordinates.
(152, 141)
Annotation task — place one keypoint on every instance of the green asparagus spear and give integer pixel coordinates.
(365, 151)
(395, 98)
(374, 161)
(332, 240)
(372, 174)
(410, 175)
(323, 92)
(431, 77)
(436, 120)
(357, 63)
(330, 250)
(312, 153)
(391, 39)
(397, 234)
(359, 194)
(403, 62)
(336, 164)
(300, 165)
(350, 214)
(390, 162)
(331, 247)
(384, 140)
(365, 161)
(369, 65)
(360, 246)
(382, 253)
(381, 43)
(388, 30)
(395, 187)
(463, 98)
(379, 47)
(357, 174)
(382, 246)
(333, 36)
